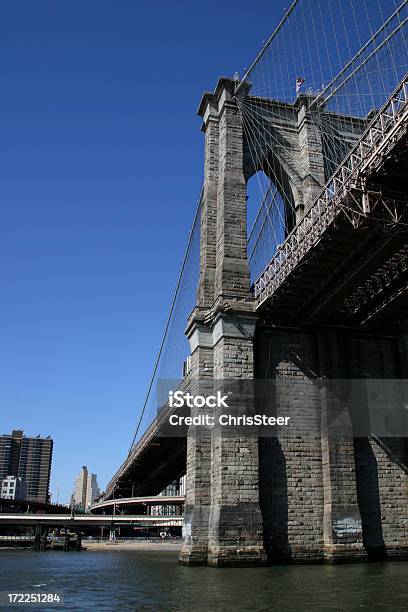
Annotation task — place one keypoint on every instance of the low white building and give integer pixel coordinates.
(13, 487)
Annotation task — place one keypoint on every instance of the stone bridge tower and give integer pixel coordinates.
(219, 511)
(250, 500)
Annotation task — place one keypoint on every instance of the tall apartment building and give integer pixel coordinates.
(86, 489)
(29, 459)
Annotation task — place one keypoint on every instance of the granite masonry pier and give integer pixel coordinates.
(332, 487)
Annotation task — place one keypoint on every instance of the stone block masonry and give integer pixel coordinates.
(328, 497)
(316, 492)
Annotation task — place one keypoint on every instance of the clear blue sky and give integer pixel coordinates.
(100, 169)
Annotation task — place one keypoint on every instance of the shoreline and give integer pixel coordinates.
(124, 546)
(144, 545)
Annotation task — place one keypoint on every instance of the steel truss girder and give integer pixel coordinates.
(379, 283)
(341, 194)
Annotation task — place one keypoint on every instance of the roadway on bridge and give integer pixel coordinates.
(89, 520)
(129, 502)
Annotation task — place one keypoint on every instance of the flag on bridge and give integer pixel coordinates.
(299, 83)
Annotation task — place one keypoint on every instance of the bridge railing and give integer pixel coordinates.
(382, 132)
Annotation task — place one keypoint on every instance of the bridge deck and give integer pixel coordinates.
(153, 462)
(102, 520)
(357, 225)
(151, 500)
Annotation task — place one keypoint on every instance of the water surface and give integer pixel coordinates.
(137, 580)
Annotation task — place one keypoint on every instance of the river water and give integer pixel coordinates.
(153, 581)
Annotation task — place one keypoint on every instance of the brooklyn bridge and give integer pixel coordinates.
(294, 279)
